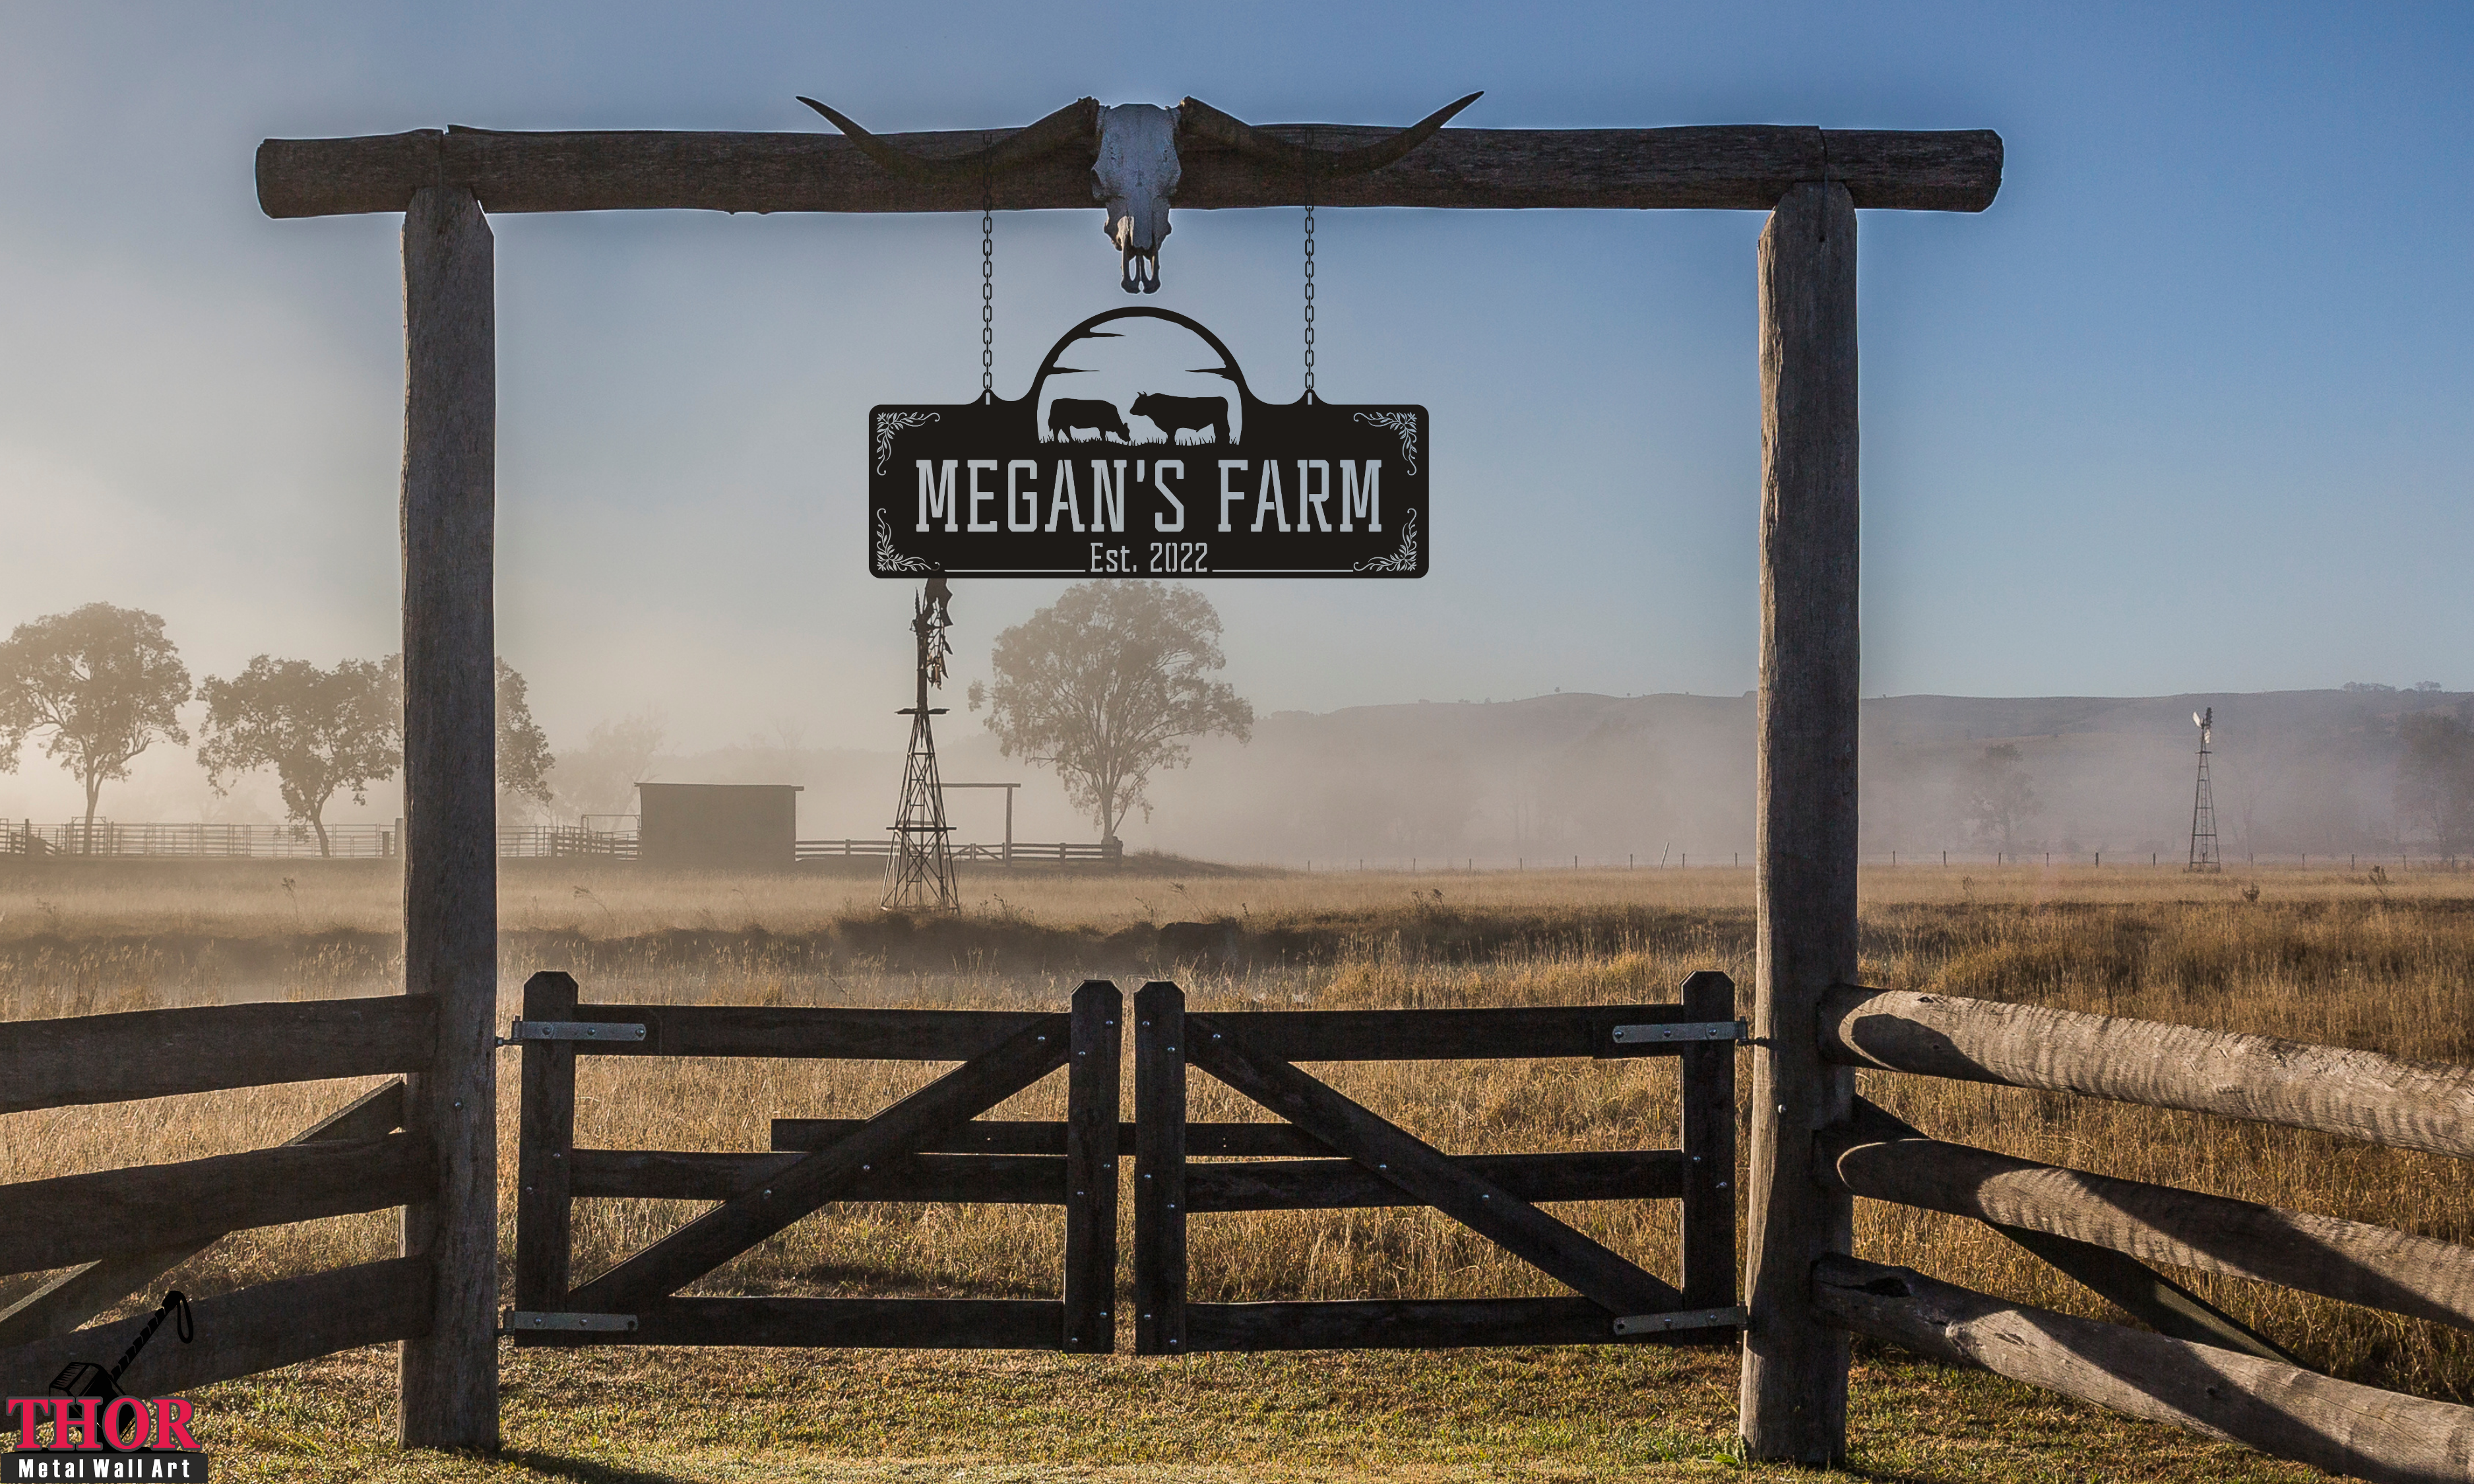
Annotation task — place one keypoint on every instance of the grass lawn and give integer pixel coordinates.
(649, 1416)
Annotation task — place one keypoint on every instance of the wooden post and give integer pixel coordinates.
(1709, 1086)
(1091, 1169)
(544, 1151)
(1159, 1170)
(1794, 1402)
(450, 1376)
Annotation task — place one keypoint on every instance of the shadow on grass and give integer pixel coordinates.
(585, 1470)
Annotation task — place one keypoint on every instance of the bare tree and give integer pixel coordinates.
(1106, 685)
(320, 730)
(105, 684)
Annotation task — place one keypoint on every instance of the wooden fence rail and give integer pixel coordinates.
(2202, 1369)
(2348, 1260)
(2280, 1409)
(155, 1053)
(241, 1333)
(2427, 1106)
(83, 1217)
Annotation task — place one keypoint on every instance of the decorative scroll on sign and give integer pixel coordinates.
(1160, 464)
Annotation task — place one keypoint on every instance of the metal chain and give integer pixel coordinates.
(1310, 304)
(987, 300)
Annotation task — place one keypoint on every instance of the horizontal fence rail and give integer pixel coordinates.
(155, 1053)
(73, 1218)
(2427, 1106)
(1017, 852)
(2348, 1260)
(255, 1328)
(2338, 1425)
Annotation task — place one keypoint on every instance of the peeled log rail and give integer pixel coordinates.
(244, 1333)
(2350, 1260)
(71, 1218)
(2338, 1426)
(2427, 1106)
(156, 1053)
(1738, 167)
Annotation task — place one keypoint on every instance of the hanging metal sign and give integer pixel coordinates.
(1161, 464)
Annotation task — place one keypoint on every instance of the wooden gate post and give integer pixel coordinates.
(450, 1376)
(1794, 1402)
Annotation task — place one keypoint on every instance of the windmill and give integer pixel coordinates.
(920, 875)
(2203, 803)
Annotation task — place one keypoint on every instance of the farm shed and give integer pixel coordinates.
(718, 826)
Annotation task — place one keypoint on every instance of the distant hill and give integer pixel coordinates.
(1604, 777)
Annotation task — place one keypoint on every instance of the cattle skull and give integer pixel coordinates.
(1137, 171)
(1135, 175)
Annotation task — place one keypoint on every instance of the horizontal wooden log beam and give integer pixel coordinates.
(1000, 1136)
(1729, 167)
(70, 1298)
(154, 1053)
(2361, 1094)
(1417, 1324)
(857, 1323)
(1451, 1035)
(805, 1031)
(971, 1178)
(243, 1332)
(2349, 1260)
(1336, 1185)
(72, 1218)
(2277, 1408)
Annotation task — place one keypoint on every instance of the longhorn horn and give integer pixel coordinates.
(1076, 123)
(1208, 125)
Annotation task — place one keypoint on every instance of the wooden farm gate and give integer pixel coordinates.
(1328, 1153)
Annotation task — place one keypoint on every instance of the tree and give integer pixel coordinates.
(320, 730)
(1106, 685)
(2436, 783)
(104, 681)
(524, 760)
(1995, 794)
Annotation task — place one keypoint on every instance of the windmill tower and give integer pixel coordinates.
(920, 875)
(2203, 803)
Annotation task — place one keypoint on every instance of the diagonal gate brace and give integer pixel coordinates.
(768, 1205)
(1395, 1155)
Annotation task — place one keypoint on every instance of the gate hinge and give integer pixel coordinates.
(516, 1321)
(1690, 1030)
(523, 1031)
(1683, 1319)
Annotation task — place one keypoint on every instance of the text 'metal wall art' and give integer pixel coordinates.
(1147, 457)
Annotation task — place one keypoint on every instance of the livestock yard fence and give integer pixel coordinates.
(200, 841)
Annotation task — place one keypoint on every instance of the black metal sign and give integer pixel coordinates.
(1155, 467)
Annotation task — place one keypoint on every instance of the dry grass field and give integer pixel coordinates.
(2353, 960)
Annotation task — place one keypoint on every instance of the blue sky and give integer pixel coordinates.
(2185, 410)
